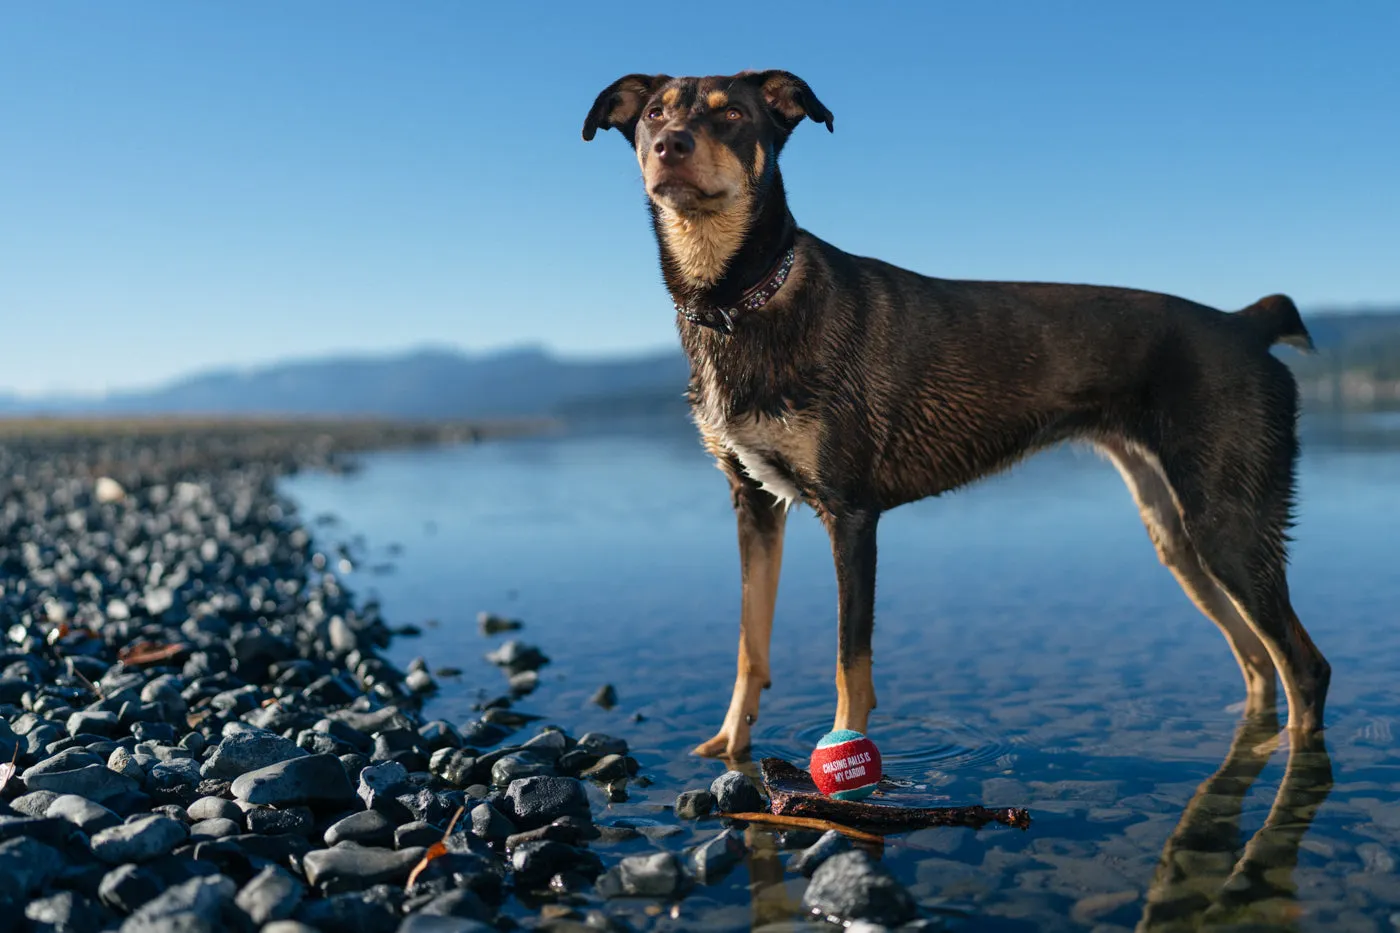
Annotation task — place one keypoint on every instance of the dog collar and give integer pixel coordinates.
(723, 319)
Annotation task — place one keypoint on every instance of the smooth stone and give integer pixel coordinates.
(92, 723)
(810, 859)
(288, 926)
(539, 801)
(203, 898)
(312, 779)
(385, 780)
(216, 828)
(26, 866)
(83, 813)
(601, 745)
(657, 875)
(550, 744)
(348, 868)
(273, 894)
(215, 808)
(851, 886)
(126, 887)
(694, 804)
(141, 840)
(371, 911)
(65, 912)
(368, 828)
(609, 768)
(179, 772)
(518, 765)
(35, 803)
(96, 782)
(417, 833)
(735, 793)
(716, 857)
(459, 903)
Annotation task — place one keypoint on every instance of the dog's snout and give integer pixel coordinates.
(674, 146)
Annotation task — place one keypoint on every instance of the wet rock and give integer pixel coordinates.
(850, 886)
(606, 696)
(517, 656)
(716, 857)
(538, 801)
(660, 875)
(534, 863)
(694, 804)
(459, 903)
(273, 894)
(83, 813)
(611, 768)
(417, 833)
(272, 822)
(806, 862)
(518, 765)
(490, 824)
(349, 868)
(242, 752)
(372, 911)
(382, 781)
(140, 840)
(735, 793)
(316, 779)
(366, 828)
(492, 624)
(432, 923)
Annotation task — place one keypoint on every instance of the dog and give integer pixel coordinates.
(856, 386)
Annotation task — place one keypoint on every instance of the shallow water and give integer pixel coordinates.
(1029, 650)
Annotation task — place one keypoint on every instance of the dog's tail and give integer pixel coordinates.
(1276, 318)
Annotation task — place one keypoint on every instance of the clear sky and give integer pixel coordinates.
(192, 184)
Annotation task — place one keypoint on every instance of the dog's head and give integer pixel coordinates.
(706, 144)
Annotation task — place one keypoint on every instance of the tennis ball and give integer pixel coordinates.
(846, 765)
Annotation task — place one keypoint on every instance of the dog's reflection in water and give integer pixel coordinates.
(1205, 878)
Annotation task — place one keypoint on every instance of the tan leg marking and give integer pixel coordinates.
(1162, 516)
(761, 560)
(855, 694)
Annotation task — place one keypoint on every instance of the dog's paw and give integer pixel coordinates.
(721, 746)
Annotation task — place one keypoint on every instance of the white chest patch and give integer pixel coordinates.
(768, 477)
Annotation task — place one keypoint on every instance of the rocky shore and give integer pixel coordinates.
(201, 730)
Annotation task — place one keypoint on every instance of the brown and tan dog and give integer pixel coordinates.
(856, 386)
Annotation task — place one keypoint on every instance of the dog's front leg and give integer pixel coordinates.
(853, 547)
(762, 520)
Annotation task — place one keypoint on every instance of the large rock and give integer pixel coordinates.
(26, 866)
(273, 894)
(79, 772)
(352, 868)
(201, 900)
(83, 813)
(735, 793)
(316, 779)
(141, 840)
(539, 801)
(660, 875)
(850, 886)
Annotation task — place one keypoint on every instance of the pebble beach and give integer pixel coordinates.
(203, 731)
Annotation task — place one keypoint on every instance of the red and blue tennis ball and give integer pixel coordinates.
(845, 765)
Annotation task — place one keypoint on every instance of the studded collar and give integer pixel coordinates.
(723, 319)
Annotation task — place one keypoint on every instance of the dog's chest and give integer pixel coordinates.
(777, 449)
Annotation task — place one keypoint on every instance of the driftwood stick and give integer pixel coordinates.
(805, 822)
(792, 793)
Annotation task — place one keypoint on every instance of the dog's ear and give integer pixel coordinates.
(620, 104)
(790, 99)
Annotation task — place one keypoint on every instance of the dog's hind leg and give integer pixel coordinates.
(853, 534)
(1161, 514)
(762, 520)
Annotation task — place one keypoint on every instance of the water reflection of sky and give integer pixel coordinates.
(1029, 649)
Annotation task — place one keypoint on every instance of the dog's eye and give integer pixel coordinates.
(655, 113)
(734, 113)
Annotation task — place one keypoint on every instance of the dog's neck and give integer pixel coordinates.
(711, 260)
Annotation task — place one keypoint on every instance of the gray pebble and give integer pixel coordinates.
(141, 840)
(273, 894)
(851, 886)
(83, 813)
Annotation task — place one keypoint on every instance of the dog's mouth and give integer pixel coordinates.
(682, 194)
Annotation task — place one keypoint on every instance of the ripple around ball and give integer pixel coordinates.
(845, 765)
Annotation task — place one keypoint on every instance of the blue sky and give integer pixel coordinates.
(189, 185)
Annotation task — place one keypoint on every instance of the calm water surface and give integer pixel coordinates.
(1029, 650)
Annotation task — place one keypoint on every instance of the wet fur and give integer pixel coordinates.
(863, 386)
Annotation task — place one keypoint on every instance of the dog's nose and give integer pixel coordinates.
(674, 146)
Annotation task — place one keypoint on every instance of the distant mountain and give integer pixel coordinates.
(430, 384)
(1358, 363)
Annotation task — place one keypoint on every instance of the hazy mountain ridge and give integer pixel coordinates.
(1358, 363)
